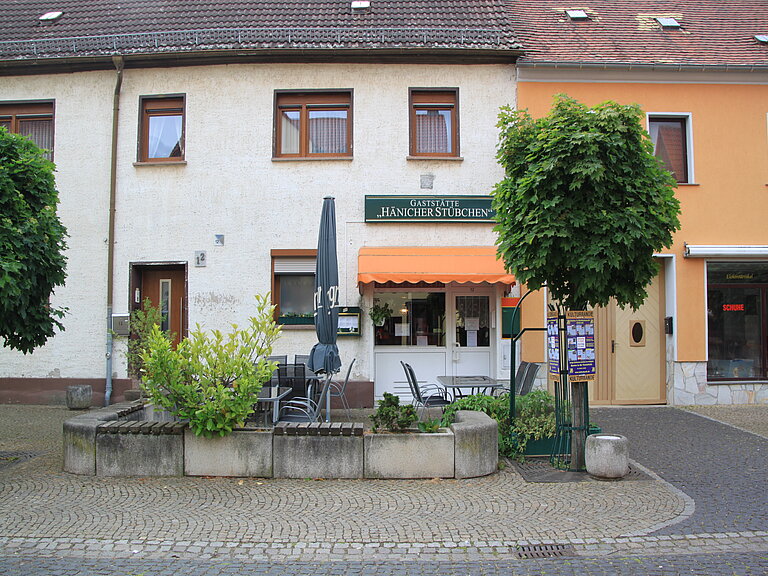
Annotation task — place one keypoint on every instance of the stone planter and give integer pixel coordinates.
(409, 455)
(242, 453)
(607, 456)
(79, 397)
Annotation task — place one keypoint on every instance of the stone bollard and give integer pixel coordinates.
(79, 397)
(607, 455)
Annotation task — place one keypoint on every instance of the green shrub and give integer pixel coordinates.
(535, 418)
(429, 426)
(141, 323)
(211, 379)
(392, 416)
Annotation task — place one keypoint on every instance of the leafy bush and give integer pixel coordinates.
(497, 407)
(32, 245)
(141, 324)
(535, 418)
(392, 416)
(429, 426)
(211, 379)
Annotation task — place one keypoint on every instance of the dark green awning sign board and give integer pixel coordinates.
(429, 209)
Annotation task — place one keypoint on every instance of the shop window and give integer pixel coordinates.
(671, 144)
(412, 319)
(313, 124)
(161, 134)
(293, 286)
(434, 123)
(31, 119)
(737, 320)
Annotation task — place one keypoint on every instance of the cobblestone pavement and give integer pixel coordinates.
(57, 523)
(722, 468)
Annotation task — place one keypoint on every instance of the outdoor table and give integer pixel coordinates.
(475, 383)
(272, 395)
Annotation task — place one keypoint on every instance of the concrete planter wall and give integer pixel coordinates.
(242, 453)
(409, 455)
(120, 441)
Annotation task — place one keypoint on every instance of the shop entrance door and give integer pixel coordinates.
(472, 334)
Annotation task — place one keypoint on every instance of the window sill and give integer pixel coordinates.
(297, 326)
(433, 158)
(311, 159)
(740, 381)
(171, 163)
(688, 184)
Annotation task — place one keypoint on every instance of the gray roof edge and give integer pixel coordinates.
(66, 64)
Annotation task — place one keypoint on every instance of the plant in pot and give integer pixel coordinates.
(393, 416)
(210, 379)
(379, 314)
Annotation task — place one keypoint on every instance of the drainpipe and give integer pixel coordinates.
(118, 62)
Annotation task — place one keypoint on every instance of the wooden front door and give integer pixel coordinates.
(631, 355)
(166, 288)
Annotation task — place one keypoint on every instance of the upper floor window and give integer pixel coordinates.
(161, 137)
(31, 119)
(434, 122)
(313, 124)
(671, 144)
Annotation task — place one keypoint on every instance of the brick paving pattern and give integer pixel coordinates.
(57, 523)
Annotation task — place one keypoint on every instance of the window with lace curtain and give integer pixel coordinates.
(434, 122)
(161, 135)
(31, 119)
(313, 124)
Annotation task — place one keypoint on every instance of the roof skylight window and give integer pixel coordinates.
(762, 38)
(577, 14)
(50, 17)
(361, 5)
(668, 22)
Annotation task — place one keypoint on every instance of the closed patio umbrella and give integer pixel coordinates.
(325, 354)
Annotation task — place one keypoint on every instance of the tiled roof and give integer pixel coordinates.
(100, 27)
(712, 32)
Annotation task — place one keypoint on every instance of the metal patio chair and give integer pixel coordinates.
(293, 376)
(304, 409)
(280, 359)
(524, 385)
(301, 359)
(428, 396)
(337, 389)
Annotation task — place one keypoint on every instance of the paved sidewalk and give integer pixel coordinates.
(45, 513)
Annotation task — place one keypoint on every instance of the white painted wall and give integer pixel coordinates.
(83, 117)
(230, 185)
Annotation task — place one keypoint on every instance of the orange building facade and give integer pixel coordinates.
(706, 327)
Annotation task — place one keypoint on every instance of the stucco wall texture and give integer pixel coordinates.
(229, 184)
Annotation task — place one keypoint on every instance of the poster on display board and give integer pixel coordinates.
(580, 345)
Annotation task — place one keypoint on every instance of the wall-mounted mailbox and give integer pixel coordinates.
(508, 329)
(121, 324)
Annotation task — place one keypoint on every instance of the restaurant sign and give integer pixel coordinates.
(429, 209)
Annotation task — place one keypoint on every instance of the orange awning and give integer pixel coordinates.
(431, 264)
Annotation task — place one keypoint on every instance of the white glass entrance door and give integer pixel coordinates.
(472, 335)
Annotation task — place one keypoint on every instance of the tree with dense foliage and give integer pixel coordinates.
(32, 244)
(584, 203)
